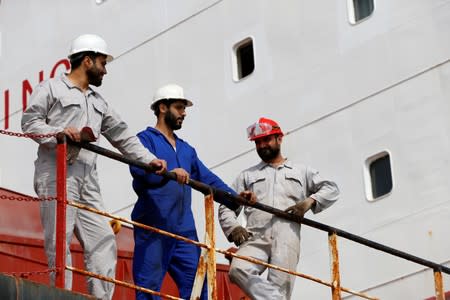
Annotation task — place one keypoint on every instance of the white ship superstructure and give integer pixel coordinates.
(359, 98)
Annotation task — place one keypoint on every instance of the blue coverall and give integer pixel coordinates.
(165, 204)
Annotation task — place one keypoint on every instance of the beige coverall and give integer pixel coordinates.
(57, 104)
(273, 240)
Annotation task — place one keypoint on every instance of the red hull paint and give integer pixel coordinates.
(21, 250)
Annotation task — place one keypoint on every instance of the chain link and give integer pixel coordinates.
(28, 135)
(28, 274)
(27, 198)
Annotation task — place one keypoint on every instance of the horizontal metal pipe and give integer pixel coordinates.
(197, 185)
(218, 194)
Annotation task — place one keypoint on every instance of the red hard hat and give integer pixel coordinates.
(262, 128)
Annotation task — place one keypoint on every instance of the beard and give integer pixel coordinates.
(172, 121)
(94, 76)
(267, 154)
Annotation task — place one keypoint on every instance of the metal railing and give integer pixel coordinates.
(207, 260)
(333, 232)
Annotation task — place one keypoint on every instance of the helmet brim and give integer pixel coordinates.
(156, 103)
(109, 57)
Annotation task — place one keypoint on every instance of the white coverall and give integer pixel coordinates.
(273, 240)
(57, 104)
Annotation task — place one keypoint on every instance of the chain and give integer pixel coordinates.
(27, 135)
(28, 274)
(27, 198)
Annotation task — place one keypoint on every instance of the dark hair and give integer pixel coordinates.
(166, 102)
(77, 58)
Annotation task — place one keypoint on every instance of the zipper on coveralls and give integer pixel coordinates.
(87, 122)
(183, 186)
(273, 199)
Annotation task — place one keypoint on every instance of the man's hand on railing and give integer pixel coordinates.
(83, 135)
(73, 134)
(239, 235)
(159, 164)
(249, 196)
(182, 175)
(302, 207)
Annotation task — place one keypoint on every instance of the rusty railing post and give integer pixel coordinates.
(61, 172)
(207, 261)
(334, 257)
(438, 285)
(211, 242)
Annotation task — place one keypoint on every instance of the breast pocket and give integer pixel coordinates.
(293, 186)
(71, 112)
(257, 219)
(258, 185)
(96, 116)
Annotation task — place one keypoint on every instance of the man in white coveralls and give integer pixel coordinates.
(68, 103)
(278, 182)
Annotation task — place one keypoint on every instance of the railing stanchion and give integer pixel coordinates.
(61, 171)
(335, 276)
(211, 242)
(207, 261)
(438, 285)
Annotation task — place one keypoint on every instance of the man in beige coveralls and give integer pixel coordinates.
(278, 182)
(68, 103)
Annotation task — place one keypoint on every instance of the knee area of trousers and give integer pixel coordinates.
(236, 274)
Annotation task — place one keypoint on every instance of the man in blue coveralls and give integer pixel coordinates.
(166, 204)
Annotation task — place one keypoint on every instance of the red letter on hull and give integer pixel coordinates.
(6, 109)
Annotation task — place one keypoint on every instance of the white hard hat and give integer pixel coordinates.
(167, 92)
(90, 42)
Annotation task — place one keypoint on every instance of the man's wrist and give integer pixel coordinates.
(312, 202)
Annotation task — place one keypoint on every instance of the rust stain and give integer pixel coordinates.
(122, 283)
(137, 224)
(210, 247)
(256, 261)
(201, 268)
(211, 242)
(335, 276)
(438, 285)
